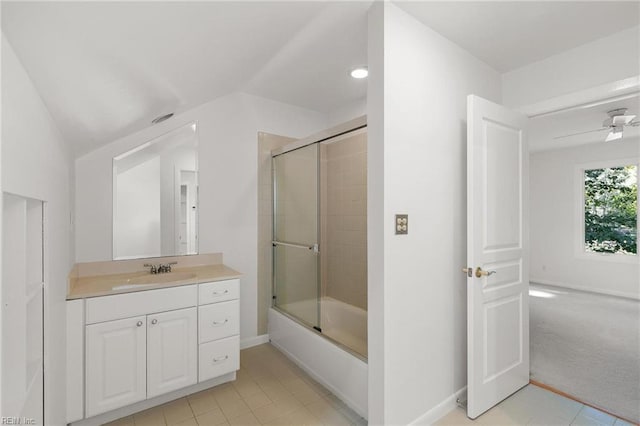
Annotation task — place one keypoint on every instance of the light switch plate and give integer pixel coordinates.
(402, 224)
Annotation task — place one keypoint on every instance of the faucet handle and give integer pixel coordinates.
(166, 267)
(153, 268)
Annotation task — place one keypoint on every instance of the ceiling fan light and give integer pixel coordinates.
(614, 134)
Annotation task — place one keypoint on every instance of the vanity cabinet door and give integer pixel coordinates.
(115, 364)
(172, 350)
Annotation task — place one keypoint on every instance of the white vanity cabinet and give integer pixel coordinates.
(144, 344)
(218, 328)
(172, 351)
(116, 359)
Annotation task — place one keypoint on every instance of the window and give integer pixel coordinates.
(611, 210)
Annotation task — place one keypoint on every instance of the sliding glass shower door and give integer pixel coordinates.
(296, 280)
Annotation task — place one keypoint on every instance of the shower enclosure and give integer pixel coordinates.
(320, 237)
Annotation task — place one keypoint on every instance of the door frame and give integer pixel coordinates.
(585, 98)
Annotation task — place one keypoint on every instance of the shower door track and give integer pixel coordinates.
(342, 129)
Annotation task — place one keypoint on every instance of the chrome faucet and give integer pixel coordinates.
(160, 268)
(165, 267)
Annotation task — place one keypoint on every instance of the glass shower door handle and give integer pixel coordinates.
(314, 247)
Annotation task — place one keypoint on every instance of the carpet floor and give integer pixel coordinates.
(587, 345)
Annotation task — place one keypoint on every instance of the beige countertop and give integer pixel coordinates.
(81, 287)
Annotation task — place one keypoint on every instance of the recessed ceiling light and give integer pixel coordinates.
(162, 118)
(360, 72)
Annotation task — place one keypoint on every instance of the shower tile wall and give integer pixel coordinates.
(344, 220)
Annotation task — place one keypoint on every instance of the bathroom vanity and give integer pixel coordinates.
(136, 340)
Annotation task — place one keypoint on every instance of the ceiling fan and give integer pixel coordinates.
(615, 124)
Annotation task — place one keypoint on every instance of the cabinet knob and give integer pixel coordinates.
(154, 321)
(220, 293)
(139, 323)
(220, 359)
(215, 323)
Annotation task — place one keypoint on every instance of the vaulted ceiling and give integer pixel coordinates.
(106, 69)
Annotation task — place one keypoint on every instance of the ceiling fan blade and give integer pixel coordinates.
(621, 120)
(582, 133)
(634, 124)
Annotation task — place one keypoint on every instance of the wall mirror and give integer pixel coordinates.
(155, 197)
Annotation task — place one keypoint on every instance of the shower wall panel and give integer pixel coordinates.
(343, 201)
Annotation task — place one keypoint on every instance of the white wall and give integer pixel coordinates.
(228, 178)
(596, 63)
(376, 328)
(555, 222)
(426, 81)
(36, 163)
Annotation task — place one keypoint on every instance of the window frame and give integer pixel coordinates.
(580, 251)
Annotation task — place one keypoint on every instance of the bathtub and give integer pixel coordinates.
(338, 369)
(345, 324)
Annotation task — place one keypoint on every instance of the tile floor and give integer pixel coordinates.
(537, 407)
(269, 390)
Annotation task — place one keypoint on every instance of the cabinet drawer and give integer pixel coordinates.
(218, 291)
(107, 308)
(218, 320)
(219, 357)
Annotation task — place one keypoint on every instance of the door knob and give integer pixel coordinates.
(480, 273)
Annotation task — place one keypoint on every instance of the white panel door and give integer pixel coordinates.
(497, 254)
(115, 364)
(172, 350)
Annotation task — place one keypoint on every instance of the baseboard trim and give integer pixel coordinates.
(621, 294)
(566, 395)
(442, 409)
(250, 342)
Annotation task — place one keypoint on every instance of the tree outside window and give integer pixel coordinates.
(611, 210)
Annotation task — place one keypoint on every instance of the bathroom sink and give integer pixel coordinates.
(152, 279)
